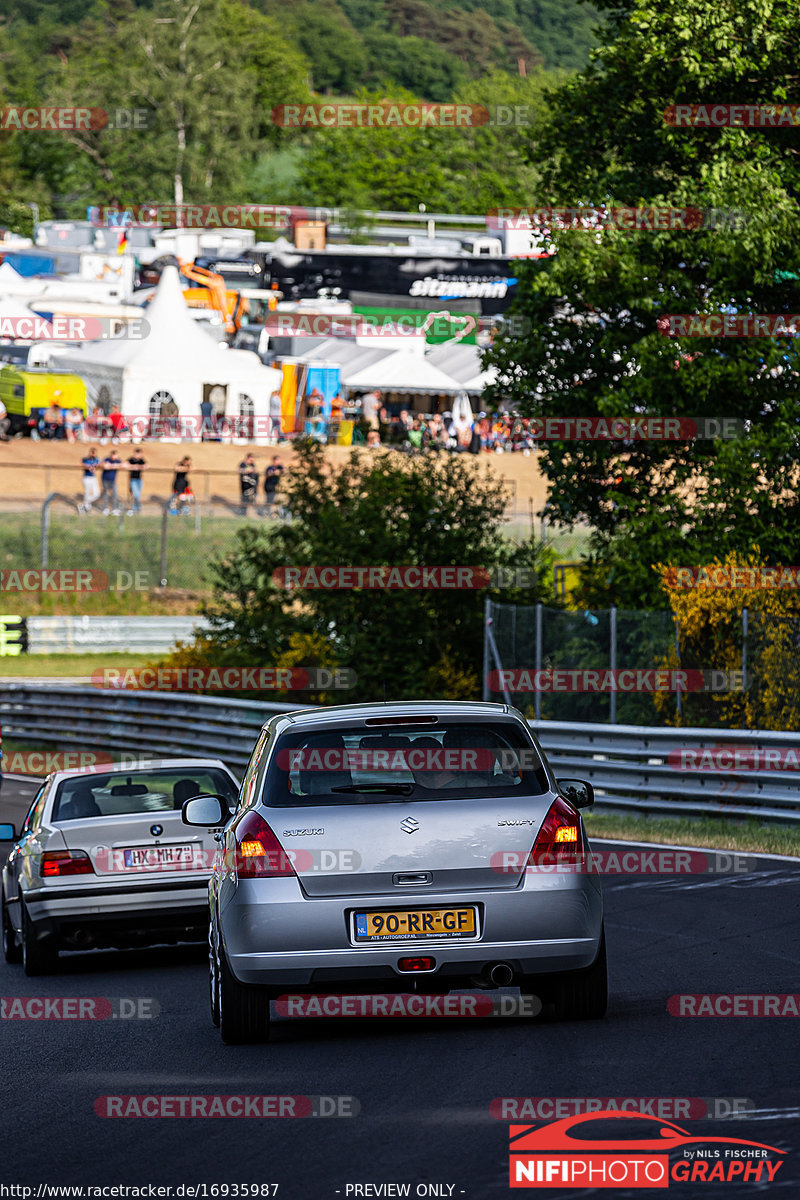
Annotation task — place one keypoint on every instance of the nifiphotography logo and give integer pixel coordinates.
(587, 1151)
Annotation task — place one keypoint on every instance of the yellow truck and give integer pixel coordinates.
(28, 392)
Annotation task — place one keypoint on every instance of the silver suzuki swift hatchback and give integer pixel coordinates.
(410, 847)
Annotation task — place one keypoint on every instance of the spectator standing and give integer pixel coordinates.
(248, 480)
(272, 477)
(275, 417)
(136, 464)
(73, 423)
(208, 421)
(181, 490)
(118, 423)
(415, 435)
(169, 414)
(111, 464)
(91, 488)
(370, 403)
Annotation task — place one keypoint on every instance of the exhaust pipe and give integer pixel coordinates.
(501, 975)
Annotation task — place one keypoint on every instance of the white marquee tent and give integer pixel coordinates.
(401, 371)
(176, 359)
(463, 363)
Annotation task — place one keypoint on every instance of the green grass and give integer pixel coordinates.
(120, 547)
(710, 832)
(23, 666)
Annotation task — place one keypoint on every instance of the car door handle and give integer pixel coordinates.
(412, 878)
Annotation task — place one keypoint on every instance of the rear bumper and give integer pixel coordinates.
(108, 915)
(290, 940)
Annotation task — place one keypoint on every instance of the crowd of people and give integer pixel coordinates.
(374, 424)
(100, 483)
(418, 433)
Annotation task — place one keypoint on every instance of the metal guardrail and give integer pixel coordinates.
(66, 634)
(648, 769)
(152, 723)
(629, 765)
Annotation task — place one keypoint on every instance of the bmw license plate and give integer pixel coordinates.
(416, 925)
(155, 858)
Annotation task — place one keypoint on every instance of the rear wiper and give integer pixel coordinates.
(393, 789)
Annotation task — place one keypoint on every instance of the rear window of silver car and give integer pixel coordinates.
(448, 760)
(117, 794)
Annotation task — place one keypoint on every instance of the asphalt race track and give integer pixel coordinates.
(424, 1086)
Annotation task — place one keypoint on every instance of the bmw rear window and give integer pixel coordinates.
(82, 797)
(447, 760)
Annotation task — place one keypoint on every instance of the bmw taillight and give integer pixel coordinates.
(560, 839)
(259, 854)
(65, 862)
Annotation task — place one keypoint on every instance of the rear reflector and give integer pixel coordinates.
(416, 964)
(65, 862)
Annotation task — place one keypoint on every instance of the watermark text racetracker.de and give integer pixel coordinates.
(651, 218)
(729, 325)
(232, 1106)
(666, 1108)
(78, 1008)
(388, 114)
(58, 580)
(568, 860)
(224, 679)
(624, 679)
(717, 576)
(401, 578)
(23, 119)
(397, 1005)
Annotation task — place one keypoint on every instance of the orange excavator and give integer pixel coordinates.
(211, 293)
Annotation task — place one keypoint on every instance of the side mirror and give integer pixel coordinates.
(579, 793)
(8, 833)
(210, 811)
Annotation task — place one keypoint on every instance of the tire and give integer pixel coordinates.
(244, 1015)
(583, 995)
(39, 957)
(213, 974)
(12, 952)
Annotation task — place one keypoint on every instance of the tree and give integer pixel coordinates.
(467, 169)
(595, 347)
(377, 509)
(208, 72)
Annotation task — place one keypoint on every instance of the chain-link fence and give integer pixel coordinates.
(159, 547)
(528, 644)
(557, 664)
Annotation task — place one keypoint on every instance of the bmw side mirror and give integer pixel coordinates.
(8, 833)
(579, 793)
(209, 811)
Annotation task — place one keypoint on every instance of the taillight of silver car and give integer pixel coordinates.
(259, 854)
(65, 862)
(560, 839)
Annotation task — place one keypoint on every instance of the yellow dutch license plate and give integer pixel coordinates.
(416, 925)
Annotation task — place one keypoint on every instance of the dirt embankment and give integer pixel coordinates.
(29, 471)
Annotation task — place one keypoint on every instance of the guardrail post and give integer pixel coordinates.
(612, 653)
(487, 616)
(46, 522)
(164, 521)
(496, 656)
(678, 697)
(45, 531)
(537, 701)
(745, 631)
